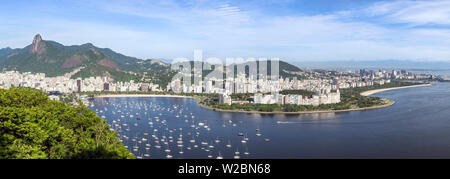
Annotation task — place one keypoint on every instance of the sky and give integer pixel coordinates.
(291, 30)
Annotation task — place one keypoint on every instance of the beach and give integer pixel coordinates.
(370, 92)
(366, 93)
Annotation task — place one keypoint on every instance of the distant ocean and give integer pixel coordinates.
(435, 68)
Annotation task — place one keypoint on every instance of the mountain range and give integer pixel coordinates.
(87, 60)
(55, 59)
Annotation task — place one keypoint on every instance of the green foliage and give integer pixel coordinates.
(51, 61)
(34, 127)
(297, 92)
(242, 96)
(98, 70)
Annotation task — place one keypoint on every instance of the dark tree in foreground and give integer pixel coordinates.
(34, 127)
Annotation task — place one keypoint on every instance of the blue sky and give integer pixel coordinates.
(302, 30)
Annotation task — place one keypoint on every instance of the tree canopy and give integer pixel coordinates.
(34, 127)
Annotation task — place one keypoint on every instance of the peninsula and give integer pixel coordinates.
(353, 99)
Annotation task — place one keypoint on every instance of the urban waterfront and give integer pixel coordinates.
(416, 126)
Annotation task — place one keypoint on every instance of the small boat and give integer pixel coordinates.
(229, 144)
(220, 156)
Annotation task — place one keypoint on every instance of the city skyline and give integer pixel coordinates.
(294, 31)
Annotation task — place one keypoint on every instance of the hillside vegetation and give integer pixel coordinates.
(34, 127)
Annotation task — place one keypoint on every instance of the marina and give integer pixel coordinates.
(152, 128)
(198, 133)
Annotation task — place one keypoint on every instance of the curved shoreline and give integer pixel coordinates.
(365, 93)
(371, 92)
(389, 103)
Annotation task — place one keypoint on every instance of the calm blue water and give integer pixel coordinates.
(417, 126)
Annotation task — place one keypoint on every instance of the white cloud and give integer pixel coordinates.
(413, 12)
(228, 30)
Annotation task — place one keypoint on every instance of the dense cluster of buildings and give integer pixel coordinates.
(325, 85)
(64, 84)
(315, 100)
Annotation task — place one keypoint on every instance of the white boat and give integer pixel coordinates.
(229, 144)
(220, 156)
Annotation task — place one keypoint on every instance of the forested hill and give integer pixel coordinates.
(87, 60)
(34, 127)
(55, 59)
(286, 70)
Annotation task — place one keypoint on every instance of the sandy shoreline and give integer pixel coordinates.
(366, 93)
(370, 92)
(239, 111)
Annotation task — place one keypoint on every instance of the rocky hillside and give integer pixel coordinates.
(55, 59)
